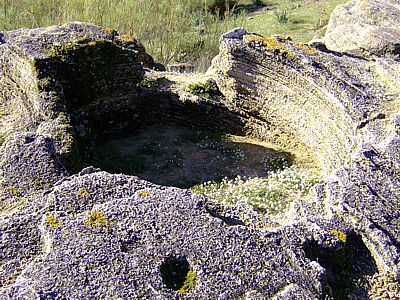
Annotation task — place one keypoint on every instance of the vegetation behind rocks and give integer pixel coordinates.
(175, 30)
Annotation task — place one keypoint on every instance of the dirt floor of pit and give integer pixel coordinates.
(183, 157)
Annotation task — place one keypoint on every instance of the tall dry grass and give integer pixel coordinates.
(171, 30)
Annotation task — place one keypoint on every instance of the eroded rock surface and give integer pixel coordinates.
(100, 235)
(298, 96)
(365, 28)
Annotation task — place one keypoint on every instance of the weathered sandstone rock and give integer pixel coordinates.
(56, 73)
(297, 96)
(365, 27)
(100, 235)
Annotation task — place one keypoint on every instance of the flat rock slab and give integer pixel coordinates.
(152, 227)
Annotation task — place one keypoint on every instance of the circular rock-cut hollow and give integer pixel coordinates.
(174, 272)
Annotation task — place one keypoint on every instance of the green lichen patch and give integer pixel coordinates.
(52, 219)
(98, 220)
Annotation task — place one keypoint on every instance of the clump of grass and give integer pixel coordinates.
(271, 195)
(282, 14)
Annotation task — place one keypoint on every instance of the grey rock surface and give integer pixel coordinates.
(82, 260)
(368, 27)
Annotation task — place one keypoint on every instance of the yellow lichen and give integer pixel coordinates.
(98, 219)
(51, 218)
(304, 47)
(128, 38)
(83, 193)
(11, 189)
(110, 30)
(340, 235)
(269, 43)
(82, 39)
(189, 282)
(145, 193)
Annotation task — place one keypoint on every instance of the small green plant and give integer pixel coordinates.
(188, 284)
(52, 219)
(148, 82)
(200, 89)
(271, 195)
(99, 220)
(282, 15)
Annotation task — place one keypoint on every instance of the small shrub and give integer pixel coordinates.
(200, 89)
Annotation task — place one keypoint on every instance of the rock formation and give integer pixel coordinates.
(99, 235)
(366, 28)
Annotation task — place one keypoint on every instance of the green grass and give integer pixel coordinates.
(180, 30)
(305, 19)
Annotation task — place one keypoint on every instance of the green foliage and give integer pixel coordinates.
(271, 195)
(200, 89)
(180, 30)
(282, 14)
(148, 82)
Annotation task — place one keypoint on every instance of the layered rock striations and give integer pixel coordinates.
(99, 235)
(299, 96)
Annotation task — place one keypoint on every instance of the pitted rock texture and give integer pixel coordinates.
(301, 97)
(148, 229)
(366, 28)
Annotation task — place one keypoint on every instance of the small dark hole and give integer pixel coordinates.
(173, 272)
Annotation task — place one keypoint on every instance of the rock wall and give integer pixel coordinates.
(303, 97)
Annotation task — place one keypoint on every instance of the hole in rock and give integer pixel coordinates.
(174, 272)
(348, 271)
